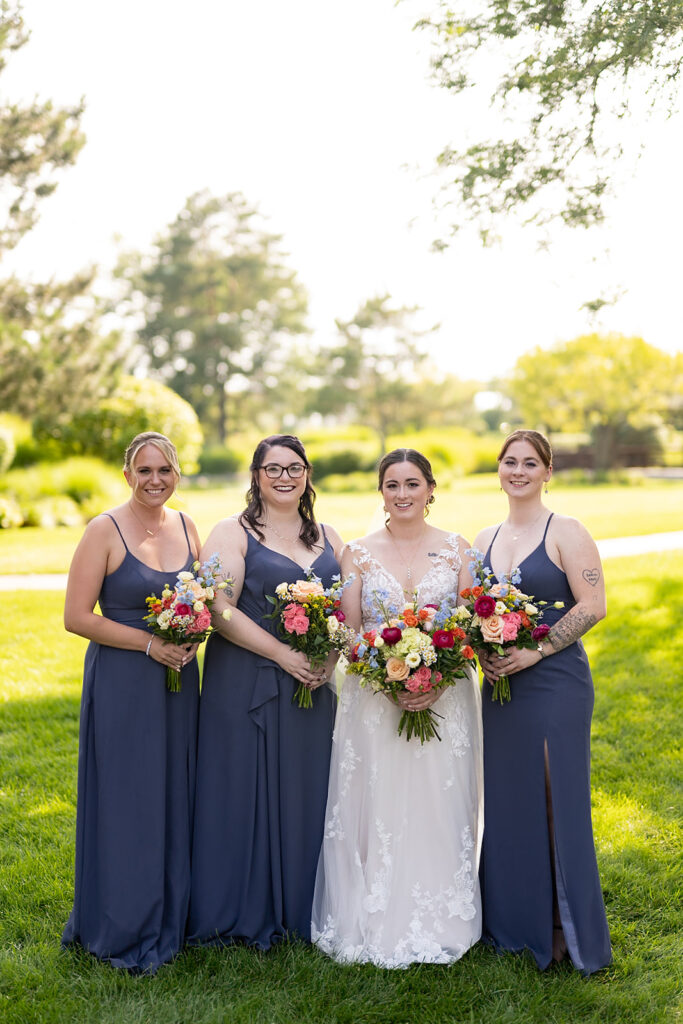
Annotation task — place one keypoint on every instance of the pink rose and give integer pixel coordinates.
(511, 623)
(339, 614)
(420, 681)
(492, 629)
(303, 589)
(295, 619)
(183, 609)
(484, 606)
(540, 631)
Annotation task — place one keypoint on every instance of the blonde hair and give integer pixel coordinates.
(536, 439)
(160, 441)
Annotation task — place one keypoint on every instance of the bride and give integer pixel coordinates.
(397, 879)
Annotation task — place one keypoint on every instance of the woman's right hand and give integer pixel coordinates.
(171, 655)
(297, 664)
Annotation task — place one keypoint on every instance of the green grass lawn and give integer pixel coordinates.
(636, 655)
(608, 510)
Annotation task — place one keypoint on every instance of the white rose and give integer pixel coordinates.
(185, 577)
(198, 606)
(210, 594)
(332, 624)
(378, 642)
(531, 609)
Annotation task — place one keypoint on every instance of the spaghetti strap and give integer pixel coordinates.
(118, 528)
(182, 517)
(487, 557)
(545, 532)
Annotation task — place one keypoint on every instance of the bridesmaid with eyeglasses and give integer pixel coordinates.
(263, 762)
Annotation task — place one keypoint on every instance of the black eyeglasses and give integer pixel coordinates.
(274, 472)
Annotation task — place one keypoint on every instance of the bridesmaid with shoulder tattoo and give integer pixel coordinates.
(539, 876)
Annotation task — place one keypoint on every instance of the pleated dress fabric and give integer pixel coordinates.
(551, 702)
(262, 774)
(136, 781)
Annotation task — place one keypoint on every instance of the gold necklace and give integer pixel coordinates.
(525, 529)
(151, 533)
(288, 540)
(408, 565)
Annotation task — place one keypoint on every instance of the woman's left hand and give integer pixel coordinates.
(512, 661)
(326, 671)
(418, 701)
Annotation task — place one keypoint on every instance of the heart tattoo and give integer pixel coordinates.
(591, 576)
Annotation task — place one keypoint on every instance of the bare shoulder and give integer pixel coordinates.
(567, 529)
(333, 537)
(484, 537)
(228, 533)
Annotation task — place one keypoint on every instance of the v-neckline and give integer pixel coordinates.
(303, 568)
(440, 553)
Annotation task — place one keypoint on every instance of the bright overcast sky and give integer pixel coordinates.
(323, 116)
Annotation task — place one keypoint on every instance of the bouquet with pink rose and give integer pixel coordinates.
(413, 650)
(501, 615)
(310, 619)
(182, 615)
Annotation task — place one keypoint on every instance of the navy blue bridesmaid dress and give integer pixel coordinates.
(136, 781)
(551, 701)
(262, 771)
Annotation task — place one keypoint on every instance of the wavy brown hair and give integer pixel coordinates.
(253, 513)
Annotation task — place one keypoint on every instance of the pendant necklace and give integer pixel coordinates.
(525, 529)
(408, 565)
(151, 533)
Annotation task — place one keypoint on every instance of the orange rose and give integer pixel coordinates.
(460, 634)
(467, 651)
(466, 592)
(303, 589)
(410, 619)
(423, 614)
(396, 668)
(526, 621)
(477, 591)
(492, 629)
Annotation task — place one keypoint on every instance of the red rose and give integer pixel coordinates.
(540, 631)
(443, 638)
(339, 614)
(391, 635)
(183, 609)
(484, 606)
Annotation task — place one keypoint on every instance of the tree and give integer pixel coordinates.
(36, 142)
(562, 71)
(57, 357)
(371, 369)
(105, 429)
(217, 301)
(599, 384)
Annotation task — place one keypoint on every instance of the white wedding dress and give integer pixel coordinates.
(397, 879)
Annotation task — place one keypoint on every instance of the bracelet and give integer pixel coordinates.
(149, 646)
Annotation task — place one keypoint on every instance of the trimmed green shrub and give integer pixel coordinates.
(54, 511)
(136, 405)
(353, 483)
(7, 448)
(10, 513)
(219, 460)
(341, 461)
(88, 485)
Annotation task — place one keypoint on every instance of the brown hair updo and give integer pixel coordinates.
(253, 513)
(407, 455)
(537, 440)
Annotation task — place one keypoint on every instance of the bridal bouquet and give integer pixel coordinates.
(310, 619)
(413, 650)
(182, 614)
(501, 615)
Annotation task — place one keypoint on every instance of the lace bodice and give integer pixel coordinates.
(438, 582)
